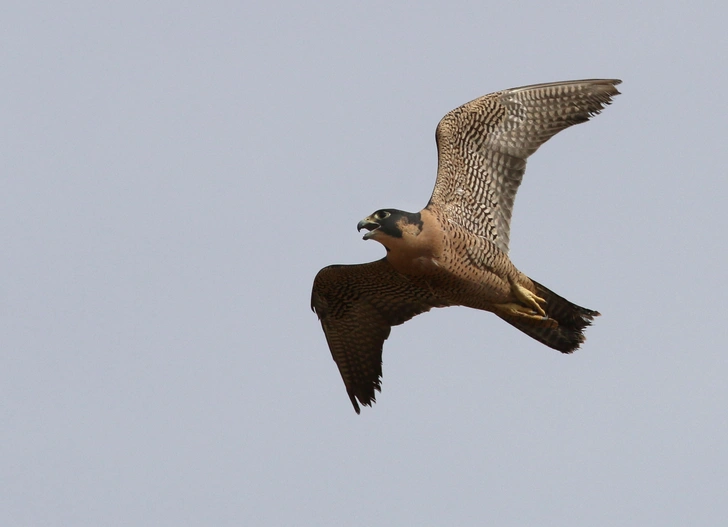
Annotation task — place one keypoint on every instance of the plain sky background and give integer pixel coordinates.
(174, 174)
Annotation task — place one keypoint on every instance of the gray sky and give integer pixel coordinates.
(176, 173)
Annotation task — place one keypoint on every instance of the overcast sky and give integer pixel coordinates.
(175, 174)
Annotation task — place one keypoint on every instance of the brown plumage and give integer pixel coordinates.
(455, 250)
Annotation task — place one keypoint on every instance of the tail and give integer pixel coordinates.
(572, 320)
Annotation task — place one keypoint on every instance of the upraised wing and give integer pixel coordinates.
(357, 306)
(483, 146)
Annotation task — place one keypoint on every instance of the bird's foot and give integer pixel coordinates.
(530, 299)
(528, 307)
(513, 310)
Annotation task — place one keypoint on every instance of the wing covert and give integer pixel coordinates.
(357, 306)
(483, 146)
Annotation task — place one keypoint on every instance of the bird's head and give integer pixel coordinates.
(390, 223)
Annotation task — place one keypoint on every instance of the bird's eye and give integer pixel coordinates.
(381, 214)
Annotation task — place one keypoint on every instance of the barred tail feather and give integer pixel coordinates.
(572, 320)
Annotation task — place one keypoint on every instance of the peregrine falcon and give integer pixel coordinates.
(454, 252)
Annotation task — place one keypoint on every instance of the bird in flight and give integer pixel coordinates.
(454, 252)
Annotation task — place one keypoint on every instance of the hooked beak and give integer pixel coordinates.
(369, 224)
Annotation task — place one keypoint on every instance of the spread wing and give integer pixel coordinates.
(483, 146)
(357, 306)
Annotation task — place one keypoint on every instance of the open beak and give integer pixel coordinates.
(369, 224)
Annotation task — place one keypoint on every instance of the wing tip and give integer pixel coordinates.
(599, 87)
(364, 397)
(355, 403)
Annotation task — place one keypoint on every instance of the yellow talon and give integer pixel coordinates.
(529, 307)
(513, 310)
(528, 298)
